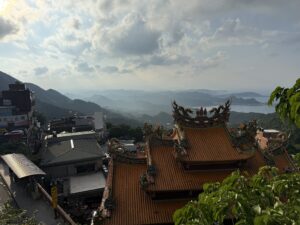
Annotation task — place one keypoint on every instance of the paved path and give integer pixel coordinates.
(40, 208)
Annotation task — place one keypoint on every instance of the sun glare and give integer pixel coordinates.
(4, 6)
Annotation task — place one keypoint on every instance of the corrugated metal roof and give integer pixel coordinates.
(133, 205)
(211, 144)
(73, 134)
(87, 182)
(21, 165)
(62, 152)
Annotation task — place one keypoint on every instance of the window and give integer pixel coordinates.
(23, 117)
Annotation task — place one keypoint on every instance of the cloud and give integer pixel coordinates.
(7, 27)
(146, 40)
(211, 62)
(113, 70)
(130, 36)
(74, 23)
(85, 67)
(135, 37)
(291, 39)
(110, 69)
(40, 70)
(163, 60)
(66, 41)
(214, 61)
(233, 32)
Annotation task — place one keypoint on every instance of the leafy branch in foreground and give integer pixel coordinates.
(288, 106)
(265, 199)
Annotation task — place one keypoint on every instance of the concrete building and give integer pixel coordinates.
(16, 107)
(79, 123)
(74, 160)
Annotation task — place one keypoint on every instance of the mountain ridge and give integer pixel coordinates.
(53, 104)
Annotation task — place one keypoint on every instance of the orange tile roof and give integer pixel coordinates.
(211, 145)
(133, 205)
(283, 161)
(252, 166)
(171, 177)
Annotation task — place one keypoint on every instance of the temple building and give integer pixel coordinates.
(147, 189)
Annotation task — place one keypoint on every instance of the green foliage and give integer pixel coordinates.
(288, 105)
(13, 147)
(40, 117)
(297, 159)
(264, 199)
(125, 131)
(12, 215)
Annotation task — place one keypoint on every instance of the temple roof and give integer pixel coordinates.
(203, 142)
(133, 205)
(201, 136)
(211, 145)
(283, 160)
(171, 176)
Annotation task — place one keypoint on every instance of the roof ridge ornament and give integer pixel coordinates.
(201, 118)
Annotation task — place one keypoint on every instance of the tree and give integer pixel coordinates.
(40, 117)
(265, 199)
(12, 215)
(125, 131)
(288, 105)
(13, 147)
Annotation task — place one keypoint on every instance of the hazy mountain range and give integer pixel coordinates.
(133, 107)
(53, 104)
(152, 103)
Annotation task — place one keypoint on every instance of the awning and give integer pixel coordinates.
(21, 165)
(89, 182)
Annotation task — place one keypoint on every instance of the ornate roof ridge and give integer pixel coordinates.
(107, 202)
(118, 153)
(202, 117)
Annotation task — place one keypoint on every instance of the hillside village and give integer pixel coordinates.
(73, 170)
(161, 112)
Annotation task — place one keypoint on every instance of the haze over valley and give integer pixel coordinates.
(135, 107)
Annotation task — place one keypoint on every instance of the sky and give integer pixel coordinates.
(151, 45)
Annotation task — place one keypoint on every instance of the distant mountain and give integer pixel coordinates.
(241, 101)
(162, 118)
(266, 120)
(239, 117)
(151, 107)
(50, 111)
(57, 99)
(152, 103)
(53, 104)
(243, 95)
(5, 80)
